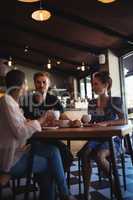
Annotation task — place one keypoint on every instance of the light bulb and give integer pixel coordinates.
(83, 67)
(49, 64)
(78, 68)
(10, 62)
(58, 62)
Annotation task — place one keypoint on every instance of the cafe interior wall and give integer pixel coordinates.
(29, 75)
(113, 64)
(58, 80)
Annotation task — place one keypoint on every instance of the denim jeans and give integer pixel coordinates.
(47, 162)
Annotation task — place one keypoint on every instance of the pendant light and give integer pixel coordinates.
(83, 67)
(106, 1)
(10, 61)
(49, 64)
(41, 14)
(28, 1)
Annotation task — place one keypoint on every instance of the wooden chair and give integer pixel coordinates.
(122, 159)
(15, 182)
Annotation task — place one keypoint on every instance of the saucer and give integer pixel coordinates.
(49, 127)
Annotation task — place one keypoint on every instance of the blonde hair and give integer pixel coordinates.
(48, 75)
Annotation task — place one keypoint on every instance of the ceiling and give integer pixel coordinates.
(77, 32)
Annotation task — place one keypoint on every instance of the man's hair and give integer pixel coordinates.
(14, 78)
(36, 75)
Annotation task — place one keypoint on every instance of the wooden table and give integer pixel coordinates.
(90, 133)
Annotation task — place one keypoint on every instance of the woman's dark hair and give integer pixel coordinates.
(104, 77)
(14, 78)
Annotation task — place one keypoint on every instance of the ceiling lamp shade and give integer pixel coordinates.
(28, 1)
(106, 1)
(41, 15)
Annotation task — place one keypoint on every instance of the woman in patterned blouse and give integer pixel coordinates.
(105, 111)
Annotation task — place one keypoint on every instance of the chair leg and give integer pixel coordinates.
(99, 174)
(0, 192)
(79, 175)
(123, 169)
(111, 181)
(34, 192)
(68, 172)
(13, 189)
(29, 174)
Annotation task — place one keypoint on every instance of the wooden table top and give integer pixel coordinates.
(84, 132)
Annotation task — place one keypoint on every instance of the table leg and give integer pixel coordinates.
(68, 172)
(129, 146)
(115, 171)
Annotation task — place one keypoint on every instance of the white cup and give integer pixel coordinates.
(86, 118)
(56, 114)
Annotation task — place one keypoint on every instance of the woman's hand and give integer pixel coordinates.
(103, 124)
(47, 119)
(117, 122)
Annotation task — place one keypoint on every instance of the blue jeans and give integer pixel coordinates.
(47, 162)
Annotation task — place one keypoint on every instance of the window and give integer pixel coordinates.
(89, 87)
(129, 91)
(82, 89)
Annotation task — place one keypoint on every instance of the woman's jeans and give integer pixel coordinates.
(47, 162)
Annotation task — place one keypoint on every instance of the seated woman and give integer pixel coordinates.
(104, 110)
(14, 153)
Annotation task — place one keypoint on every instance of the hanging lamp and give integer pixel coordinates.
(41, 14)
(49, 64)
(83, 67)
(10, 61)
(106, 1)
(28, 1)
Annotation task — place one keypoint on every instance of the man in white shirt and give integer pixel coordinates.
(14, 132)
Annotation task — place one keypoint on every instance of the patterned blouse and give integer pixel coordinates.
(114, 107)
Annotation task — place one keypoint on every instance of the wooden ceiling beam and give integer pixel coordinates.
(43, 53)
(27, 61)
(89, 48)
(87, 23)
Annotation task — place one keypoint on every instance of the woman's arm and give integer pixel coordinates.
(117, 109)
(117, 122)
(19, 126)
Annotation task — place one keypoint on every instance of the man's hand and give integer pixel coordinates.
(48, 119)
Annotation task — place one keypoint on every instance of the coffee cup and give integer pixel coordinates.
(56, 114)
(86, 118)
